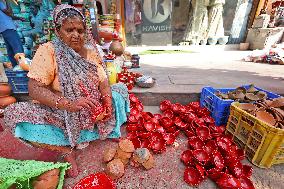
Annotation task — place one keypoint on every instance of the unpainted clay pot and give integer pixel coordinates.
(261, 95)
(252, 97)
(5, 89)
(120, 154)
(277, 102)
(115, 169)
(141, 155)
(5, 101)
(109, 154)
(251, 89)
(126, 146)
(248, 107)
(48, 180)
(150, 163)
(266, 117)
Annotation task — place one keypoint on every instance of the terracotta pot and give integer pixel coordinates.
(195, 143)
(201, 156)
(210, 147)
(101, 180)
(120, 154)
(150, 163)
(109, 154)
(115, 169)
(266, 117)
(187, 157)
(141, 155)
(5, 101)
(203, 133)
(246, 183)
(192, 176)
(228, 182)
(5, 89)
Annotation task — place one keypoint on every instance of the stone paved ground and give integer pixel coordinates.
(168, 173)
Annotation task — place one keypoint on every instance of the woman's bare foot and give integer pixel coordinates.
(73, 171)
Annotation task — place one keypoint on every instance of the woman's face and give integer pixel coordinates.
(72, 32)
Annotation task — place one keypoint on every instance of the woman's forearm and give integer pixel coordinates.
(42, 94)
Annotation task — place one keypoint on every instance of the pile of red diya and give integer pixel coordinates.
(211, 153)
(96, 181)
(128, 78)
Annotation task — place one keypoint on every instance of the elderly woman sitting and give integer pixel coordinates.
(68, 84)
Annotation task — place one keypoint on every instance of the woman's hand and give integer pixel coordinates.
(108, 112)
(81, 103)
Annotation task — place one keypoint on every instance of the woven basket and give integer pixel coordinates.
(146, 85)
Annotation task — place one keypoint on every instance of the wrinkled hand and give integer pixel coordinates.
(81, 103)
(108, 113)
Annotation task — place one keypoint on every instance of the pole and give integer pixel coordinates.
(122, 14)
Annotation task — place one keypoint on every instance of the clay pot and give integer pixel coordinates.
(115, 169)
(210, 147)
(186, 157)
(192, 176)
(109, 154)
(228, 182)
(251, 89)
(149, 126)
(203, 133)
(201, 156)
(141, 155)
(150, 163)
(145, 143)
(98, 180)
(157, 116)
(195, 143)
(247, 171)
(144, 135)
(136, 142)
(5, 89)
(218, 160)
(278, 102)
(5, 101)
(239, 95)
(169, 114)
(261, 95)
(242, 89)
(169, 138)
(166, 122)
(164, 105)
(266, 117)
(120, 154)
(158, 146)
(248, 107)
(133, 98)
(160, 129)
(252, 97)
(246, 183)
(147, 115)
(48, 180)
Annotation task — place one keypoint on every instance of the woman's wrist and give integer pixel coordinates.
(63, 104)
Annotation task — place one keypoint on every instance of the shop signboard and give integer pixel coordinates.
(156, 16)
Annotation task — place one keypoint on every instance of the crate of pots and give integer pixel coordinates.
(258, 128)
(218, 101)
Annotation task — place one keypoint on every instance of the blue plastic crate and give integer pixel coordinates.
(220, 108)
(18, 81)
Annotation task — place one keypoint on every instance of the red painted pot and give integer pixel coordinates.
(195, 143)
(96, 181)
(192, 176)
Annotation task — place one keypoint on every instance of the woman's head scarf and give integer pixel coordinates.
(61, 12)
